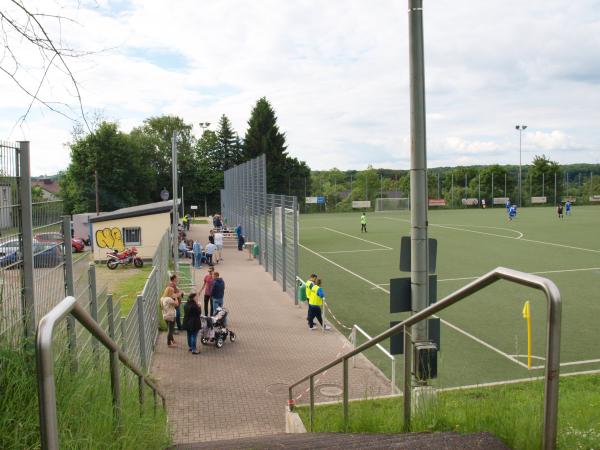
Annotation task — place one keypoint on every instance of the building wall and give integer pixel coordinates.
(109, 234)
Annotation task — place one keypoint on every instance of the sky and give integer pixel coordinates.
(335, 71)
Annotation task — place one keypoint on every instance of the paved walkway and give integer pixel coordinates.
(240, 390)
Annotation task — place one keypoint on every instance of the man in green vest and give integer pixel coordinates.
(315, 302)
(363, 223)
(309, 285)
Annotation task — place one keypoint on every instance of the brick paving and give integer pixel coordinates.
(240, 390)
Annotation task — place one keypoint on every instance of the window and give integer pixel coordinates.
(132, 235)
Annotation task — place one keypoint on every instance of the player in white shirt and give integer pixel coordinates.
(219, 244)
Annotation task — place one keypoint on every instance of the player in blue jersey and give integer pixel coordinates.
(512, 212)
(568, 208)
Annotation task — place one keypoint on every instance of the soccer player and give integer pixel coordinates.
(559, 210)
(512, 212)
(568, 208)
(507, 205)
(363, 223)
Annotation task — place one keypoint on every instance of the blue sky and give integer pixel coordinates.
(336, 73)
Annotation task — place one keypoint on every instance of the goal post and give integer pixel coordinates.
(392, 204)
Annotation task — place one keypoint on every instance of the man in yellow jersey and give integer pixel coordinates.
(315, 301)
(363, 223)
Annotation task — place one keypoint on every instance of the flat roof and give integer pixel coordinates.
(135, 211)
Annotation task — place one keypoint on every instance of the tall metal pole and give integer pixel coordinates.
(418, 169)
(479, 189)
(504, 184)
(492, 190)
(182, 204)
(438, 185)
(381, 187)
(520, 128)
(452, 190)
(26, 244)
(350, 187)
(97, 192)
(174, 232)
(555, 198)
(543, 181)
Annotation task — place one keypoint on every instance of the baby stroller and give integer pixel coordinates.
(214, 329)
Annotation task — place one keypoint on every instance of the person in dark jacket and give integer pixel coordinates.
(191, 322)
(218, 291)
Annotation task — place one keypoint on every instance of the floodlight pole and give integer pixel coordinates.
(418, 169)
(520, 128)
(174, 230)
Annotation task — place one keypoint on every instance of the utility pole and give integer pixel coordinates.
(419, 275)
(97, 194)
(452, 189)
(492, 199)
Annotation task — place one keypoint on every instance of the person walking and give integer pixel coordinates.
(168, 303)
(191, 322)
(197, 253)
(185, 222)
(218, 291)
(315, 302)
(207, 288)
(363, 223)
(240, 237)
(559, 210)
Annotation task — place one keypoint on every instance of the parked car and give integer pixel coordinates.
(56, 237)
(44, 255)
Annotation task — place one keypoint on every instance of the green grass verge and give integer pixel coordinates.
(511, 412)
(128, 289)
(84, 405)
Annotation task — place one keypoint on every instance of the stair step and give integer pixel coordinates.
(344, 441)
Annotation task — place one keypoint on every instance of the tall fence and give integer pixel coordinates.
(268, 220)
(38, 269)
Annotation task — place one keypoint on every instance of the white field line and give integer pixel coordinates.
(507, 237)
(354, 251)
(360, 239)
(445, 322)
(584, 269)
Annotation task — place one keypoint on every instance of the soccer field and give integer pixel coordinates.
(484, 337)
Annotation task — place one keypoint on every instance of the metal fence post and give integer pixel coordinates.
(93, 302)
(114, 365)
(266, 217)
(123, 334)
(296, 243)
(28, 292)
(346, 388)
(273, 238)
(283, 247)
(139, 303)
(69, 289)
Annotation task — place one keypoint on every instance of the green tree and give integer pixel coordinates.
(543, 171)
(36, 194)
(229, 151)
(120, 167)
(263, 136)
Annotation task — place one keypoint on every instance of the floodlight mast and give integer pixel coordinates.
(418, 169)
(521, 128)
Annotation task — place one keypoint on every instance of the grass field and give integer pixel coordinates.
(483, 337)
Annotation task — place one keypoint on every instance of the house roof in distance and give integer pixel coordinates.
(47, 184)
(135, 211)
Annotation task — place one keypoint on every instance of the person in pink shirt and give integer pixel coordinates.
(207, 287)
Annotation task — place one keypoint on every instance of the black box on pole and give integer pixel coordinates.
(405, 254)
(397, 341)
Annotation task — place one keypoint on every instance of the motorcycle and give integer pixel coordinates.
(126, 257)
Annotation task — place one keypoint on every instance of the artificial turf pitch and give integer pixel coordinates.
(484, 337)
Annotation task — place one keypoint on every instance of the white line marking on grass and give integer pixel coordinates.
(353, 251)
(344, 269)
(507, 237)
(360, 239)
(445, 322)
(583, 269)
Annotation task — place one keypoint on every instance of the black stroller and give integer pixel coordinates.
(214, 329)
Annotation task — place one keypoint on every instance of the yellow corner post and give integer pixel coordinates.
(527, 316)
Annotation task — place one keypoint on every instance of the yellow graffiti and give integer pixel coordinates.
(110, 238)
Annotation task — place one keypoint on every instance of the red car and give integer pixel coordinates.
(56, 238)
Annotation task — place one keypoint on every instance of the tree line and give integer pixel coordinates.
(542, 177)
(133, 168)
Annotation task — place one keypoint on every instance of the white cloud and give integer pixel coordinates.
(336, 73)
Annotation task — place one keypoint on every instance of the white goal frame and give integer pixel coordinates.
(396, 203)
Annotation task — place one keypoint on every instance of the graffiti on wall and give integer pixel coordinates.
(110, 238)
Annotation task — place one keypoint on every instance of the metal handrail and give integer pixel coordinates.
(45, 368)
(500, 273)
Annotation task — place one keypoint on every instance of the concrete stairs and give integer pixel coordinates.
(345, 441)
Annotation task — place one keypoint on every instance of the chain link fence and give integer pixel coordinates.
(38, 270)
(269, 221)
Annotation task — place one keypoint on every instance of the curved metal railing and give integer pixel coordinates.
(500, 273)
(45, 366)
